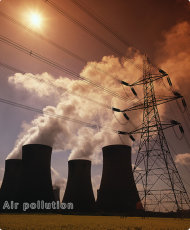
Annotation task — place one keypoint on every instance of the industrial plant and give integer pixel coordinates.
(94, 114)
(11, 185)
(117, 192)
(36, 181)
(153, 183)
(79, 188)
(29, 181)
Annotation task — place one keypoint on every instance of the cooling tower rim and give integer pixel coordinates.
(118, 146)
(36, 145)
(13, 160)
(79, 160)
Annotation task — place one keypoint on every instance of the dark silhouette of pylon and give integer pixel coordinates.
(155, 171)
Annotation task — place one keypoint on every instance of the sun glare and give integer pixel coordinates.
(35, 19)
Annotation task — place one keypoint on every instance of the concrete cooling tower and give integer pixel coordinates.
(36, 173)
(10, 187)
(79, 187)
(56, 192)
(117, 191)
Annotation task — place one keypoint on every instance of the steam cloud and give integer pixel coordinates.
(85, 142)
(82, 142)
(57, 180)
(183, 159)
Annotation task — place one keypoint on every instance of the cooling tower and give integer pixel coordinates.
(36, 173)
(56, 192)
(11, 182)
(79, 187)
(117, 191)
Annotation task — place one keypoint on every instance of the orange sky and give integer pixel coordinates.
(151, 26)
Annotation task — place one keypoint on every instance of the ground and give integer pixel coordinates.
(60, 222)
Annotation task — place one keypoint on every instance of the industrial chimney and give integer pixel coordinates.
(79, 187)
(117, 191)
(11, 182)
(36, 173)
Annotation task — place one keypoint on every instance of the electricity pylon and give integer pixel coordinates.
(159, 183)
(155, 169)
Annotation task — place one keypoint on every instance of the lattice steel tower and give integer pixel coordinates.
(155, 169)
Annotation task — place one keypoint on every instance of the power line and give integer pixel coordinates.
(51, 84)
(54, 86)
(63, 49)
(59, 67)
(153, 150)
(182, 114)
(56, 46)
(13, 69)
(66, 118)
(41, 36)
(100, 21)
(90, 13)
(91, 33)
(36, 110)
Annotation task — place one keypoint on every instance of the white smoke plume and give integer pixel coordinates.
(83, 142)
(96, 184)
(57, 180)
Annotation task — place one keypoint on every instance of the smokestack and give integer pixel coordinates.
(36, 173)
(117, 191)
(56, 192)
(10, 187)
(79, 187)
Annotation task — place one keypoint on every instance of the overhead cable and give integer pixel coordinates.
(63, 117)
(51, 84)
(59, 67)
(91, 33)
(53, 43)
(99, 20)
(49, 114)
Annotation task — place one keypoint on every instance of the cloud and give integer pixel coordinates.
(174, 57)
(30, 82)
(82, 142)
(183, 159)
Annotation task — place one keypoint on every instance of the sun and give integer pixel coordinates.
(35, 19)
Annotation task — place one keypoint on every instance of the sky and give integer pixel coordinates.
(76, 42)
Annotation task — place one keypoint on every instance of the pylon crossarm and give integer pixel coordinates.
(159, 101)
(153, 128)
(142, 81)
